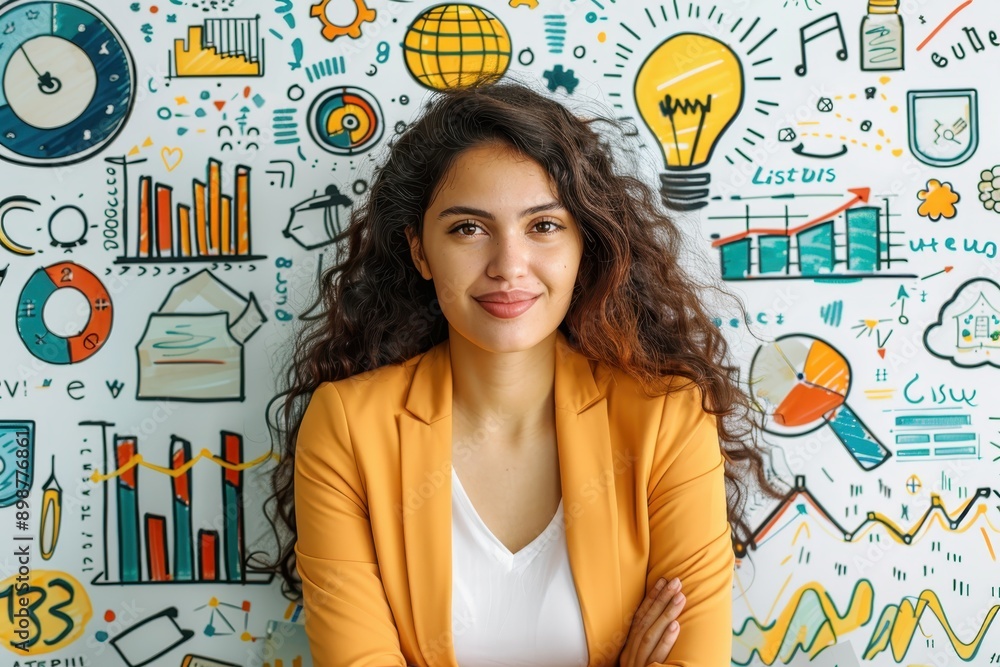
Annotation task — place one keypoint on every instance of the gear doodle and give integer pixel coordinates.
(556, 77)
(533, 4)
(331, 31)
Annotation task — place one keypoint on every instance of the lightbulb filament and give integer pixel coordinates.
(669, 106)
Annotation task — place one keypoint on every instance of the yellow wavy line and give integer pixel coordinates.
(137, 459)
(904, 618)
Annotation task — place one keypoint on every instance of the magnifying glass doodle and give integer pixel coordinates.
(801, 384)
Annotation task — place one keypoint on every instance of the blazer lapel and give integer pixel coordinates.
(589, 502)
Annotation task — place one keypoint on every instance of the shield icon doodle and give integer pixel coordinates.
(943, 125)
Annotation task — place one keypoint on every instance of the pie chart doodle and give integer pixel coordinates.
(66, 82)
(801, 384)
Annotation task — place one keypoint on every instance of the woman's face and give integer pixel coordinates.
(495, 224)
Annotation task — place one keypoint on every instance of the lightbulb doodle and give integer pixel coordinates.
(691, 88)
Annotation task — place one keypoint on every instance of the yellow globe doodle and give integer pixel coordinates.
(58, 611)
(450, 46)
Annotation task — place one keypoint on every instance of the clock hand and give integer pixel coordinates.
(47, 83)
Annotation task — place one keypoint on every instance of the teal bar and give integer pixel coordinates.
(862, 238)
(735, 257)
(183, 548)
(233, 528)
(954, 437)
(934, 420)
(773, 253)
(953, 451)
(816, 250)
(912, 439)
(128, 511)
(913, 452)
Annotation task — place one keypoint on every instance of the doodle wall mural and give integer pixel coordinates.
(174, 174)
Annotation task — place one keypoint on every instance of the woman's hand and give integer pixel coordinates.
(654, 629)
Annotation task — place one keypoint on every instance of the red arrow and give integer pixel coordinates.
(860, 195)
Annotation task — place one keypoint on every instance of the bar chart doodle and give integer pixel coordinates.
(219, 47)
(215, 227)
(805, 247)
(136, 547)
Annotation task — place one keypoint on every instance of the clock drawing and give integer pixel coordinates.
(67, 82)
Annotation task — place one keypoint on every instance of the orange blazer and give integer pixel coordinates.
(643, 497)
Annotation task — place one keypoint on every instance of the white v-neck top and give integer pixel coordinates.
(512, 610)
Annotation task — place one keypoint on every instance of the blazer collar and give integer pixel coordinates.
(586, 468)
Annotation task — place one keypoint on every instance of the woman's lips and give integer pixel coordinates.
(507, 310)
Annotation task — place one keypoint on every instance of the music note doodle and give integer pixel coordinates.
(815, 30)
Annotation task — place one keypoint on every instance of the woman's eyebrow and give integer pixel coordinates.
(471, 210)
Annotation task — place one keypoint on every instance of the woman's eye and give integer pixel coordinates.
(553, 227)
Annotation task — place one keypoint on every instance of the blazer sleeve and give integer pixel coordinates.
(690, 532)
(347, 617)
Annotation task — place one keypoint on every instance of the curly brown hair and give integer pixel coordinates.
(634, 307)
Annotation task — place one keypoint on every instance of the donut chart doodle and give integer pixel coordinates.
(346, 120)
(47, 345)
(66, 82)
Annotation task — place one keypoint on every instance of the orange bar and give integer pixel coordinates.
(156, 548)
(242, 210)
(184, 222)
(208, 554)
(199, 218)
(214, 206)
(145, 215)
(227, 226)
(164, 221)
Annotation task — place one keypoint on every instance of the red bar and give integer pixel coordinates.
(208, 555)
(125, 450)
(164, 221)
(156, 547)
(145, 216)
(232, 452)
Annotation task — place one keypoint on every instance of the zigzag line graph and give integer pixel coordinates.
(769, 527)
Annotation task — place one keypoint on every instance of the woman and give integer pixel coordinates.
(518, 412)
